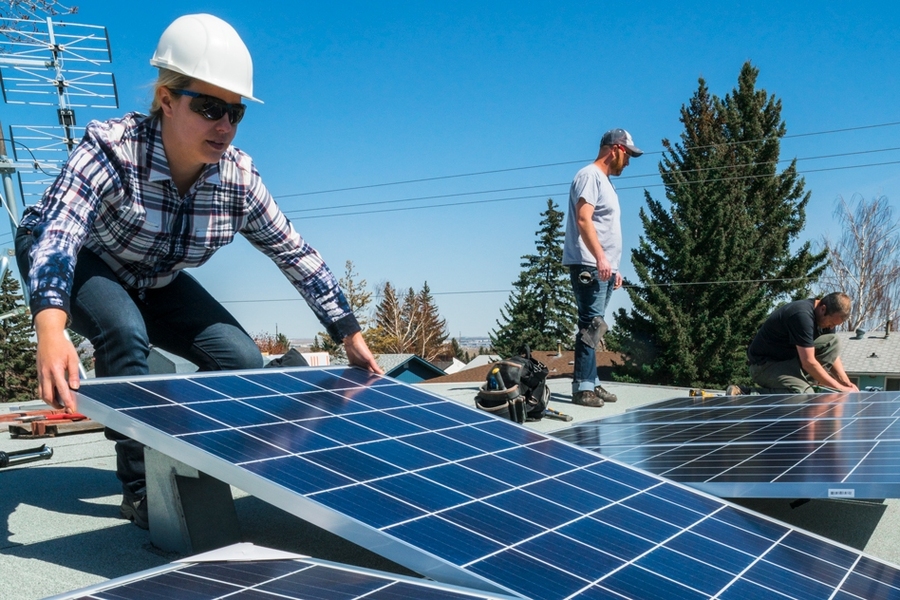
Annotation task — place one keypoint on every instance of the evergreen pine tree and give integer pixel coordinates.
(390, 332)
(541, 310)
(731, 220)
(431, 329)
(18, 369)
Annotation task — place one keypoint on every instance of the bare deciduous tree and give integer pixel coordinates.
(359, 300)
(865, 261)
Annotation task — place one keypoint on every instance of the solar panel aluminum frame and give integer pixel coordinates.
(256, 485)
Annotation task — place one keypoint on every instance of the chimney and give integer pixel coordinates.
(887, 329)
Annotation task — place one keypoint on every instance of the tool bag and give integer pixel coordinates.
(516, 388)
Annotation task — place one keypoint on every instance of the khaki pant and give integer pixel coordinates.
(788, 375)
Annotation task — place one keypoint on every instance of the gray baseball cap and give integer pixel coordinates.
(621, 137)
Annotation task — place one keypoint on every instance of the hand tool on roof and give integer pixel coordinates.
(20, 457)
(555, 414)
(55, 416)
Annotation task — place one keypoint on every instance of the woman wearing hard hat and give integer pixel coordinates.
(142, 198)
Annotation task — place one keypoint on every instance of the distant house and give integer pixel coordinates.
(872, 359)
(482, 360)
(450, 365)
(408, 368)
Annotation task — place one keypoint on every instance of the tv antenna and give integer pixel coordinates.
(47, 63)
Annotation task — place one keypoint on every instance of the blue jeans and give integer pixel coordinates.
(591, 299)
(181, 318)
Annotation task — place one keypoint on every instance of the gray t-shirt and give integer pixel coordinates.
(595, 188)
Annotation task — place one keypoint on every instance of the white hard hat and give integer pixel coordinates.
(209, 49)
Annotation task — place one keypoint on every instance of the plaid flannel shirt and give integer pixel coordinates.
(115, 196)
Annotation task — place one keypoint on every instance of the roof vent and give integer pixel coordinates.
(860, 334)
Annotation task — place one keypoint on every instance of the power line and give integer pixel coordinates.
(633, 286)
(545, 185)
(652, 185)
(569, 162)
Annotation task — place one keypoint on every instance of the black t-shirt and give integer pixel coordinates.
(790, 325)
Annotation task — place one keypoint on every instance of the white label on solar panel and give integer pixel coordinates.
(845, 493)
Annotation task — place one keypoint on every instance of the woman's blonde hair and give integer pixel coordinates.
(167, 79)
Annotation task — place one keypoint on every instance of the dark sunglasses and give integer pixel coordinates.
(213, 108)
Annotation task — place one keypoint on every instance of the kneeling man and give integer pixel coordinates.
(796, 346)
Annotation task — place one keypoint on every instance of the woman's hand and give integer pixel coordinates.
(358, 353)
(57, 360)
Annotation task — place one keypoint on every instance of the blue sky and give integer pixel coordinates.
(365, 93)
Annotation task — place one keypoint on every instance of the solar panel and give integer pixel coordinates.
(465, 498)
(287, 578)
(768, 446)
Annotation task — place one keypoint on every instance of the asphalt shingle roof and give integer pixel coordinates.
(873, 354)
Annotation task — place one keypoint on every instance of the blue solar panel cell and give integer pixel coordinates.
(870, 588)
(235, 445)
(291, 437)
(596, 484)
(378, 398)
(606, 537)
(443, 538)
(724, 557)
(298, 474)
(693, 573)
(734, 537)
(385, 423)
(441, 445)
(480, 439)
(525, 572)
(286, 408)
(462, 496)
(233, 414)
(493, 523)
(498, 467)
(426, 419)
(645, 525)
(324, 584)
(420, 492)
(183, 389)
(470, 482)
(125, 395)
(281, 383)
(355, 465)
(174, 419)
(369, 505)
(587, 563)
(171, 586)
(640, 583)
(233, 386)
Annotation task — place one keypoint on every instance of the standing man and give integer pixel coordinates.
(592, 252)
(797, 342)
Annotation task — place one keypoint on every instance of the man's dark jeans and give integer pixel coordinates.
(181, 318)
(592, 299)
